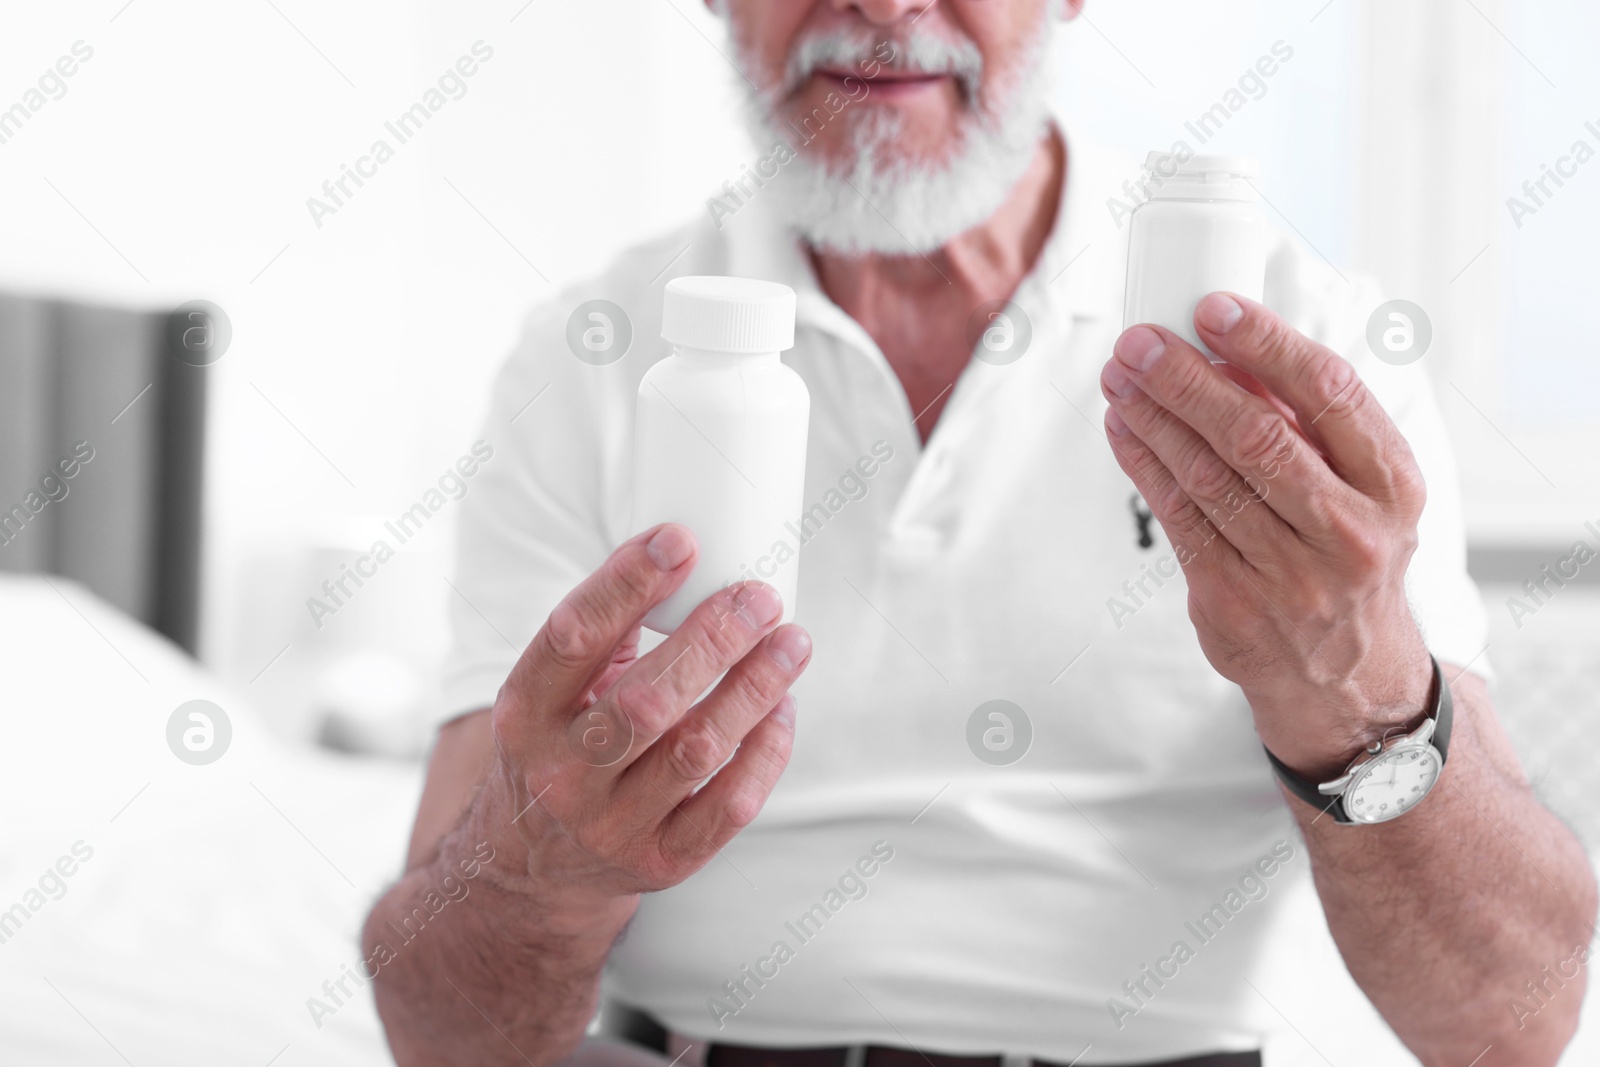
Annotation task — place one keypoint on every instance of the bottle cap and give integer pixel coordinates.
(742, 316)
(1203, 177)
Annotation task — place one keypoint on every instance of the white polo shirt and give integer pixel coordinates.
(1020, 903)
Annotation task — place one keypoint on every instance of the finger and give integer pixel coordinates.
(1234, 506)
(1333, 405)
(700, 742)
(657, 691)
(1250, 435)
(1189, 531)
(577, 642)
(1252, 385)
(623, 658)
(693, 831)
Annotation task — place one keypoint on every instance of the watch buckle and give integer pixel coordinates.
(1337, 786)
(1424, 733)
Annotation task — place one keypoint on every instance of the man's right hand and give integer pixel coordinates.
(600, 752)
(598, 775)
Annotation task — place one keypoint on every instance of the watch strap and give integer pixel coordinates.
(1306, 790)
(1442, 714)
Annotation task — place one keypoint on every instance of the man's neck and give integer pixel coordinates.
(917, 307)
(985, 263)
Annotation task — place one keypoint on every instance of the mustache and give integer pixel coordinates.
(917, 51)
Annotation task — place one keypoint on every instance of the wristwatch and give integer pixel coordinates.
(1389, 778)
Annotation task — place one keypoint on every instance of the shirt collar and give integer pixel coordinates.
(1079, 273)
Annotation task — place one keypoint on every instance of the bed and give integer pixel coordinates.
(214, 900)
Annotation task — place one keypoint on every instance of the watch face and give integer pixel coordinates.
(1391, 783)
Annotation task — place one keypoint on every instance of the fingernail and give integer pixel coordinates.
(1139, 348)
(759, 604)
(1218, 313)
(1115, 423)
(669, 548)
(789, 647)
(784, 712)
(1116, 379)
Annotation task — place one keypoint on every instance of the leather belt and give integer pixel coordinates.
(718, 1055)
(640, 1028)
(887, 1056)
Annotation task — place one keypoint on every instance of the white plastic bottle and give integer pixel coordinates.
(720, 438)
(1199, 232)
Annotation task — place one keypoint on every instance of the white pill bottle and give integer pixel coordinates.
(720, 439)
(1200, 232)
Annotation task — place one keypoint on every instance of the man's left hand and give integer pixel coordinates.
(1291, 500)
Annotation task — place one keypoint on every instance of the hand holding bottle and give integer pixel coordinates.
(601, 752)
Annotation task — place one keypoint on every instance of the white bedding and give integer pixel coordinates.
(218, 899)
(203, 920)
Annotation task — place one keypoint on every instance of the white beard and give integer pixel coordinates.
(879, 202)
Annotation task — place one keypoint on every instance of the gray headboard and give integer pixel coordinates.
(101, 438)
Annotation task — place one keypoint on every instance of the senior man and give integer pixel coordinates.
(1080, 873)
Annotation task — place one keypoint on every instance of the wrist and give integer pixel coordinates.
(555, 905)
(544, 912)
(1317, 729)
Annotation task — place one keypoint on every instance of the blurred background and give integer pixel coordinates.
(176, 163)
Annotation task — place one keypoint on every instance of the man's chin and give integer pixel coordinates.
(896, 138)
(888, 158)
